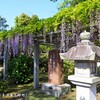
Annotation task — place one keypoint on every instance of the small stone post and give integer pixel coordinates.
(85, 55)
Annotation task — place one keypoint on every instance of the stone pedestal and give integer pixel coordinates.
(55, 90)
(86, 93)
(85, 87)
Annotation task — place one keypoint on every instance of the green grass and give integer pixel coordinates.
(35, 94)
(38, 95)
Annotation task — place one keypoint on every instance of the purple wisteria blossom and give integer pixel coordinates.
(30, 39)
(16, 43)
(13, 46)
(30, 44)
(25, 43)
(9, 46)
(1, 47)
(9, 43)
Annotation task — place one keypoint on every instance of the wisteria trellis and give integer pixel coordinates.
(23, 43)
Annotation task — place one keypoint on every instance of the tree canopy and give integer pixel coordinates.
(77, 15)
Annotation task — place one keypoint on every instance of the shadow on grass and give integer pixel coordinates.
(20, 88)
(38, 95)
(43, 78)
(17, 91)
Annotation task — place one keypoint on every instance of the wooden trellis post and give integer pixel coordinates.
(36, 64)
(5, 59)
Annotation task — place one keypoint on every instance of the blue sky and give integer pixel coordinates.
(9, 9)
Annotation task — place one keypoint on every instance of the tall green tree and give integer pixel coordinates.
(3, 24)
(67, 3)
(22, 20)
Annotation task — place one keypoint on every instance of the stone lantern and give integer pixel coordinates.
(85, 56)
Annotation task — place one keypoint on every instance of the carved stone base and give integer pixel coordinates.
(55, 90)
(85, 86)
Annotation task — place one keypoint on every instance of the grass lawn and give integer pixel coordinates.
(27, 92)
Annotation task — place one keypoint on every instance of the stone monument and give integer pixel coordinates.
(55, 85)
(55, 68)
(85, 55)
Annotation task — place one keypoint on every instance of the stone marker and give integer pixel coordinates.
(85, 55)
(55, 68)
(55, 85)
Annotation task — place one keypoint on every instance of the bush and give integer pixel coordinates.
(3, 86)
(98, 70)
(68, 67)
(20, 69)
(43, 60)
(43, 63)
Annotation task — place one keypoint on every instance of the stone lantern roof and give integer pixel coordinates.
(85, 50)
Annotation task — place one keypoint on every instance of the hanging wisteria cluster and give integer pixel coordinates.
(20, 44)
(1, 48)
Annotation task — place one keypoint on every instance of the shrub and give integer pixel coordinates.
(68, 67)
(43, 60)
(98, 70)
(43, 63)
(3, 86)
(20, 69)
